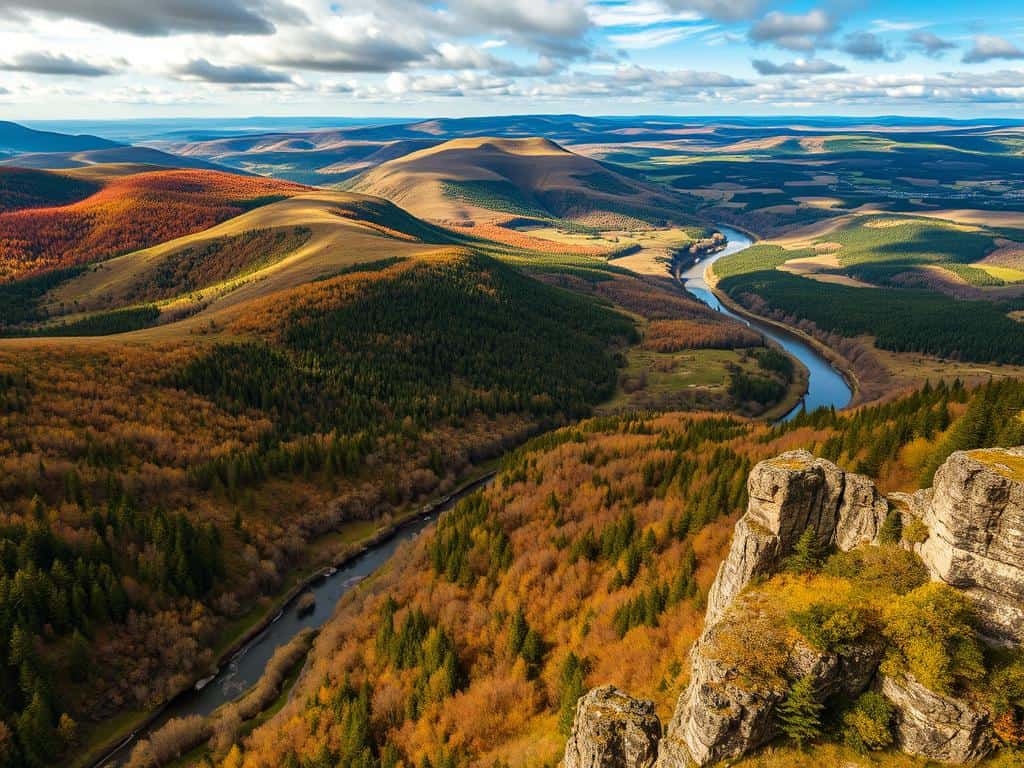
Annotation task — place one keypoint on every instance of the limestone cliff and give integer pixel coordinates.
(969, 532)
(612, 730)
(975, 520)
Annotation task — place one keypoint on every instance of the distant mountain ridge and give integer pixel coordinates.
(118, 153)
(16, 139)
(24, 147)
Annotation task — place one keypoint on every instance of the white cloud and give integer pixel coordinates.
(231, 74)
(795, 32)
(797, 67)
(724, 10)
(867, 46)
(640, 14)
(166, 17)
(989, 47)
(42, 63)
(930, 44)
(885, 25)
(361, 43)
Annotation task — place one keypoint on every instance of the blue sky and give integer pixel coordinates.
(126, 58)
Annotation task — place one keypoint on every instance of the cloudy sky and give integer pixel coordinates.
(150, 58)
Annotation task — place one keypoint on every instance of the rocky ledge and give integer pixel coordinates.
(969, 532)
(612, 729)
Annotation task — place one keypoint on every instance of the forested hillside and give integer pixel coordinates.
(595, 544)
(141, 530)
(901, 320)
(24, 188)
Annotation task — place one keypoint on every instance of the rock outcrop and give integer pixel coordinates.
(862, 512)
(934, 726)
(789, 494)
(969, 532)
(613, 730)
(975, 520)
(724, 714)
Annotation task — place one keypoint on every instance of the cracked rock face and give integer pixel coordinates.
(719, 715)
(862, 512)
(975, 519)
(789, 494)
(934, 726)
(613, 730)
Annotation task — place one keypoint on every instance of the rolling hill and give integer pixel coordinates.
(130, 212)
(336, 382)
(27, 188)
(490, 180)
(317, 157)
(215, 273)
(16, 139)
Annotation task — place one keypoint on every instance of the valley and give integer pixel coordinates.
(225, 390)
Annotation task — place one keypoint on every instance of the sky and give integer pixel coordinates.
(117, 59)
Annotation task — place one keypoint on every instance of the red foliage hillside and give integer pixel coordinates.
(130, 213)
(28, 188)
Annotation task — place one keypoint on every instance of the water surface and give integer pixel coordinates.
(825, 385)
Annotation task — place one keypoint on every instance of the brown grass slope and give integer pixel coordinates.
(485, 180)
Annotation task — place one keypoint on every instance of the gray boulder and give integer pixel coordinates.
(933, 726)
(613, 730)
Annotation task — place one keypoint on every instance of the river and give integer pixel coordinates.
(244, 669)
(825, 385)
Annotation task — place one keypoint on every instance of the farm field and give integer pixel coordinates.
(873, 283)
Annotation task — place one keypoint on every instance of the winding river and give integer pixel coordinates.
(244, 669)
(825, 385)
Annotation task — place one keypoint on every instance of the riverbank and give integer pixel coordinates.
(843, 366)
(116, 742)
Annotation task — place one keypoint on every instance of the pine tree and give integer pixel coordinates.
(517, 632)
(78, 658)
(532, 652)
(571, 688)
(799, 714)
(806, 555)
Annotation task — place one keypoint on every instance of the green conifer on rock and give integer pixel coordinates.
(806, 555)
(799, 714)
(892, 529)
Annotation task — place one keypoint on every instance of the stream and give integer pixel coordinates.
(825, 385)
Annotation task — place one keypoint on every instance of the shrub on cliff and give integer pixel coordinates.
(879, 569)
(832, 628)
(867, 724)
(932, 634)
